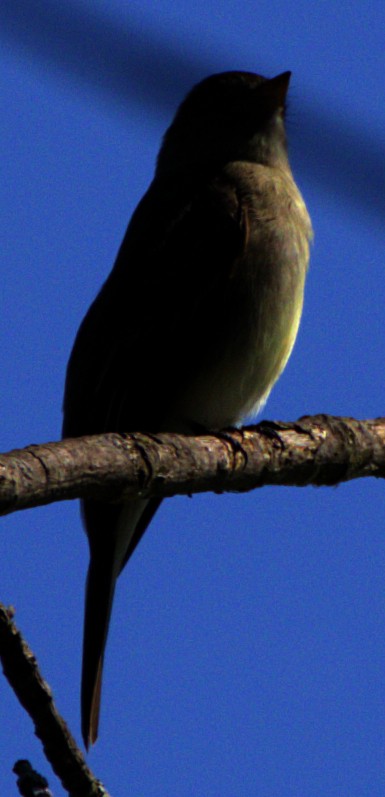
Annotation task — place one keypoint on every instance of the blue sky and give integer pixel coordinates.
(247, 648)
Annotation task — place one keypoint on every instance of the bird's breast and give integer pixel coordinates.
(263, 310)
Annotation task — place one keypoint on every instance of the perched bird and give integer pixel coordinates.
(199, 314)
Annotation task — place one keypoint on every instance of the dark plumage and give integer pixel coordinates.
(199, 314)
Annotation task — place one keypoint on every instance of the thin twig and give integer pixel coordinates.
(21, 669)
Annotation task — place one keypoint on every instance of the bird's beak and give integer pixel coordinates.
(276, 89)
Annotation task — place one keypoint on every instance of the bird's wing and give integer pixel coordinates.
(165, 293)
(155, 320)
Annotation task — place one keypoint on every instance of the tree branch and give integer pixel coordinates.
(318, 450)
(21, 670)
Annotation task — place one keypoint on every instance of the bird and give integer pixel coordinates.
(198, 317)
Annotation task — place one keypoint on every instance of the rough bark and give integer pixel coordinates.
(21, 670)
(318, 450)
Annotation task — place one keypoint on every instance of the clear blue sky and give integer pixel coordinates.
(247, 647)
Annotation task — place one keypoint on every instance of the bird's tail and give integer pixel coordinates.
(113, 534)
(100, 590)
